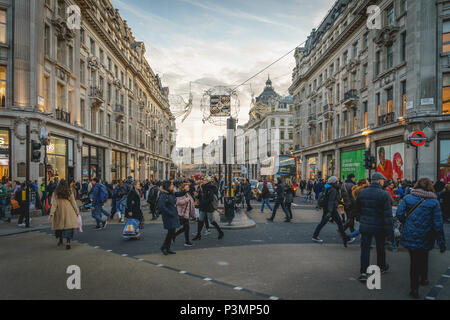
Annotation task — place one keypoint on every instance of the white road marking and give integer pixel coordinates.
(445, 276)
(109, 250)
(237, 288)
(182, 272)
(274, 298)
(439, 286)
(207, 279)
(430, 298)
(140, 260)
(160, 265)
(223, 263)
(124, 255)
(96, 247)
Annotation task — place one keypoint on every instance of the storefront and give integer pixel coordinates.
(352, 161)
(5, 155)
(312, 167)
(444, 157)
(60, 159)
(328, 164)
(118, 166)
(93, 162)
(391, 159)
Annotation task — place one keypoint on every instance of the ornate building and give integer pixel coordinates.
(362, 86)
(90, 87)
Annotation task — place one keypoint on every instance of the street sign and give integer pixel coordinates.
(418, 138)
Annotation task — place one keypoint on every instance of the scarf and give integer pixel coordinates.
(423, 194)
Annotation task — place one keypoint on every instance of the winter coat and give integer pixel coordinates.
(265, 193)
(168, 209)
(247, 190)
(346, 191)
(333, 198)
(355, 191)
(445, 205)
(289, 191)
(134, 205)
(373, 206)
(207, 193)
(95, 195)
(424, 227)
(64, 213)
(318, 188)
(185, 206)
(279, 191)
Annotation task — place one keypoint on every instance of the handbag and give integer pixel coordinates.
(15, 204)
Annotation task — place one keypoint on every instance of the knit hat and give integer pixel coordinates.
(378, 176)
(332, 180)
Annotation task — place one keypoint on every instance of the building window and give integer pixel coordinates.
(71, 58)
(108, 92)
(355, 50)
(108, 125)
(46, 40)
(102, 55)
(403, 6)
(390, 17)
(282, 135)
(366, 120)
(46, 85)
(82, 38)
(60, 103)
(389, 57)
(3, 86)
(365, 75)
(389, 100)
(446, 94)
(109, 64)
(446, 37)
(403, 85)
(345, 58)
(82, 72)
(92, 46)
(366, 41)
(345, 123)
(93, 121)
(272, 123)
(377, 63)
(61, 8)
(355, 122)
(82, 112)
(61, 49)
(281, 122)
(378, 103)
(403, 47)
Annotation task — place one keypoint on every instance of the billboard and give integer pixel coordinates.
(390, 161)
(353, 162)
(220, 105)
(268, 167)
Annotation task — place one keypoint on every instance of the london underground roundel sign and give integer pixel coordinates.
(418, 138)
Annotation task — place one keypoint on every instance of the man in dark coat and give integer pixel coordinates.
(373, 206)
(279, 201)
(247, 191)
(134, 202)
(330, 211)
(346, 192)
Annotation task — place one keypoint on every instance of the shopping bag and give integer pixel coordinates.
(47, 206)
(80, 223)
(197, 213)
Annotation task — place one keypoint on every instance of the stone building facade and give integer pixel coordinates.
(366, 82)
(90, 87)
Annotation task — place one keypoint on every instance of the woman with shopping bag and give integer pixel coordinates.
(64, 214)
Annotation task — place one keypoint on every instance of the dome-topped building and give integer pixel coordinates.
(268, 93)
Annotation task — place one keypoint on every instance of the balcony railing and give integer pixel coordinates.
(96, 95)
(350, 97)
(312, 117)
(63, 115)
(386, 119)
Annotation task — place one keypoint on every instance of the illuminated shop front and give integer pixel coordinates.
(118, 166)
(5, 155)
(93, 163)
(60, 158)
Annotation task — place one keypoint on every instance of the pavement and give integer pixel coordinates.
(268, 262)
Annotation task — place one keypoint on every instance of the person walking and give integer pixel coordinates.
(64, 213)
(279, 201)
(445, 203)
(133, 210)
(318, 188)
(206, 199)
(420, 214)
(126, 188)
(167, 207)
(373, 206)
(289, 192)
(332, 199)
(151, 200)
(99, 196)
(3, 194)
(265, 197)
(186, 211)
(362, 184)
(347, 196)
(247, 191)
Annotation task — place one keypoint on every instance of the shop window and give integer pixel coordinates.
(444, 160)
(404, 100)
(446, 94)
(446, 37)
(4, 156)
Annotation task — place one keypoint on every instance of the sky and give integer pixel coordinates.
(196, 45)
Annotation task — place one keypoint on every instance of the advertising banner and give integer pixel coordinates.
(444, 161)
(353, 162)
(390, 161)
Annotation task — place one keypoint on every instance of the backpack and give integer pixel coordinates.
(103, 194)
(323, 199)
(152, 194)
(157, 208)
(215, 202)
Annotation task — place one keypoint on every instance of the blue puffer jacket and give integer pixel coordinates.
(167, 207)
(424, 226)
(373, 205)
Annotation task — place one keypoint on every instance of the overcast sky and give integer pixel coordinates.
(212, 42)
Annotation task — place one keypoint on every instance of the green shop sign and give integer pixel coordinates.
(353, 162)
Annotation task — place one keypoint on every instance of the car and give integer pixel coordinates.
(257, 191)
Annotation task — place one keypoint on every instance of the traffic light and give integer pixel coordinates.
(35, 151)
(367, 160)
(373, 163)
